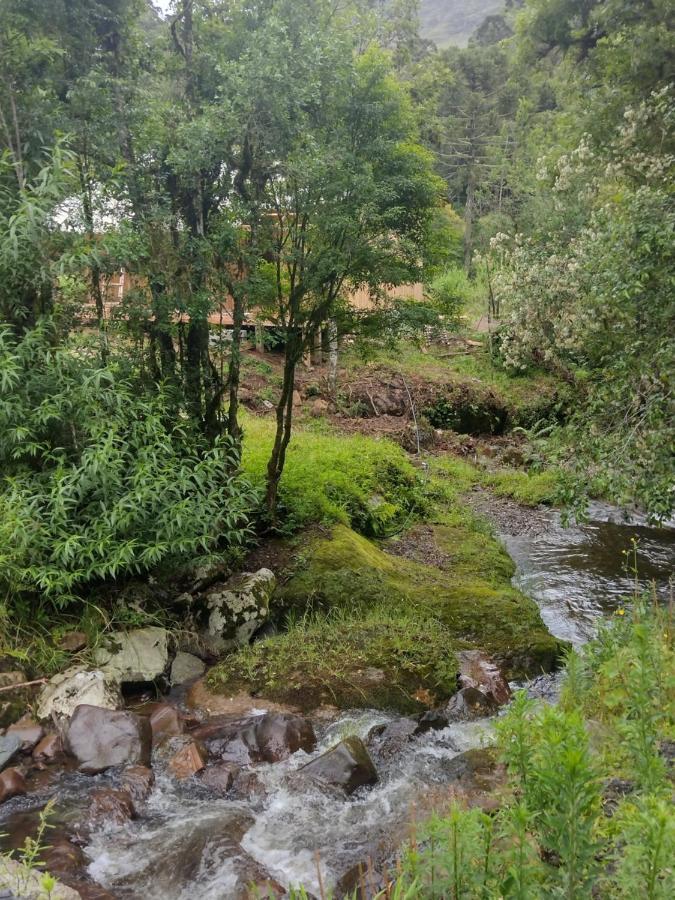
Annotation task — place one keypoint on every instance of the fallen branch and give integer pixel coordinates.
(23, 684)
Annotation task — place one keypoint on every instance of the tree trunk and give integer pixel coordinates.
(317, 353)
(332, 357)
(468, 221)
(284, 416)
(260, 338)
(234, 368)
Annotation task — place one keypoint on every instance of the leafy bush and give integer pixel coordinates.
(450, 293)
(561, 834)
(100, 480)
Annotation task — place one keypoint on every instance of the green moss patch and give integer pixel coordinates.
(396, 616)
(365, 483)
(527, 488)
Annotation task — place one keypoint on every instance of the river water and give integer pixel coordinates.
(189, 845)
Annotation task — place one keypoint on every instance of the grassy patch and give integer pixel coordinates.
(369, 485)
(528, 488)
(382, 658)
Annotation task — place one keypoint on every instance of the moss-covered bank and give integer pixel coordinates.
(372, 627)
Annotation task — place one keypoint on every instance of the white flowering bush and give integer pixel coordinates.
(594, 298)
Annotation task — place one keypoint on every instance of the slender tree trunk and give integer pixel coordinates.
(95, 270)
(284, 417)
(332, 357)
(234, 368)
(317, 352)
(468, 221)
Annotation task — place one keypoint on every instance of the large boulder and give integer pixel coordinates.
(347, 766)
(101, 738)
(268, 738)
(75, 687)
(477, 671)
(236, 609)
(132, 656)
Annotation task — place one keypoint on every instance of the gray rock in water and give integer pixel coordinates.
(347, 766)
(469, 703)
(102, 738)
(131, 656)
(186, 667)
(10, 745)
(237, 608)
(75, 687)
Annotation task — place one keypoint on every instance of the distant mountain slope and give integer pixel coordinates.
(448, 22)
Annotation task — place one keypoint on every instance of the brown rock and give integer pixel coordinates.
(189, 760)
(108, 805)
(268, 738)
(48, 748)
(29, 732)
(247, 784)
(319, 408)
(12, 784)
(297, 399)
(166, 720)
(100, 738)
(219, 777)
(73, 641)
(138, 782)
(477, 671)
(347, 766)
(469, 703)
(62, 856)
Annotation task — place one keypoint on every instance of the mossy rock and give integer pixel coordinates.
(380, 660)
(384, 629)
(471, 597)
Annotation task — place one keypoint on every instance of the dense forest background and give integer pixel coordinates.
(282, 153)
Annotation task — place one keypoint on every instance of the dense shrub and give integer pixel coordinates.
(100, 479)
(562, 833)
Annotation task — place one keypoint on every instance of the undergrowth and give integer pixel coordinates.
(588, 810)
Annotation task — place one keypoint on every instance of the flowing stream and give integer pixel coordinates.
(188, 844)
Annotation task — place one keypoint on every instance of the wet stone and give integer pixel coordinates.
(48, 748)
(10, 746)
(347, 766)
(468, 704)
(391, 739)
(28, 731)
(166, 720)
(138, 782)
(268, 738)
(477, 671)
(219, 777)
(102, 738)
(110, 807)
(433, 720)
(12, 784)
(188, 760)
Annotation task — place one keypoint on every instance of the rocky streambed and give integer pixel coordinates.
(196, 795)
